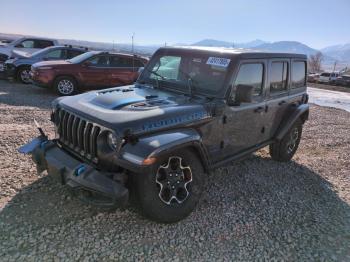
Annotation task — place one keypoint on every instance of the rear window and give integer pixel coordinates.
(119, 61)
(278, 77)
(298, 74)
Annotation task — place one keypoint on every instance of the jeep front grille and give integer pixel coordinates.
(78, 134)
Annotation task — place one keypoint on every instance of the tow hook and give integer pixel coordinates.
(80, 169)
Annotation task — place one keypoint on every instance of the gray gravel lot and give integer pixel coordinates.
(257, 209)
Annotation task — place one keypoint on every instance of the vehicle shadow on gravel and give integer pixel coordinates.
(273, 206)
(16, 94)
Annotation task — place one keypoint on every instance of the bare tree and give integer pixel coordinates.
(315, 62)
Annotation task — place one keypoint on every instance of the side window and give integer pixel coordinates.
(118, 61)
(278, 77)
(42, 43)
(55, 54)
(138, 63)
(26, 44)
(73, 53)
(298, 74)
(99, 61)
(251, 74)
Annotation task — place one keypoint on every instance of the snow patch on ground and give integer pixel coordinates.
(329, 98)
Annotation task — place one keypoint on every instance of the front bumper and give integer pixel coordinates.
(77, 175)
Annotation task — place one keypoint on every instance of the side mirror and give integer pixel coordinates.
(244, 94)
(87, 63)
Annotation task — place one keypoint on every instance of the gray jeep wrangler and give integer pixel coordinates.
(190, 111)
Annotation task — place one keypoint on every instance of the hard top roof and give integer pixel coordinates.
(232, 52)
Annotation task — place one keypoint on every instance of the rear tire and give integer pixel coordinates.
(171, 191)
(285, 149)
(65, 86)
(23, 75)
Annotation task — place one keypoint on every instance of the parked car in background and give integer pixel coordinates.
(343, 80)
(91, 70)
(328, 77)
(23, 45)
(19, 67)
(313, 77)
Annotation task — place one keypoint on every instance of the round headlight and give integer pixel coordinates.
(112, 141)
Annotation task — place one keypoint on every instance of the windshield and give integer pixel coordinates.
(80, 58)
(325, 74)
(203, 74)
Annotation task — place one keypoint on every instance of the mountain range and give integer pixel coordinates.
(339, 53)
(332, 54)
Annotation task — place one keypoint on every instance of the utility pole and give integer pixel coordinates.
(335, 63)
(132, 43)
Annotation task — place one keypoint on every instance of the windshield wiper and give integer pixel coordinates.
(156, 74)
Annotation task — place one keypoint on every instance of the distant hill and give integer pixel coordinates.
(288, 46)
(339, 52)
(218, 43)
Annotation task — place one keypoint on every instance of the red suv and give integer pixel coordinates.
(91, 70)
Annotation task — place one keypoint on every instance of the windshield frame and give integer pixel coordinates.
(219, 92)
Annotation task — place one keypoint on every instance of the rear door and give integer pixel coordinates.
(244, 124)
(277, 94)
(123, 70)
(96, 72)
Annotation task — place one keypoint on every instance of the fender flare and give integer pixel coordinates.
(157, 144)
(292, 115)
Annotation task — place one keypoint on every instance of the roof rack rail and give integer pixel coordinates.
(77, 46)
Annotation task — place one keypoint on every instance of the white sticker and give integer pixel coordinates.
(218, 61)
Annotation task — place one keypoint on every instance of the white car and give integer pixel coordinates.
(22, 45)
(327, 77)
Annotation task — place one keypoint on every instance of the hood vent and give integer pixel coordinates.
(150, 104)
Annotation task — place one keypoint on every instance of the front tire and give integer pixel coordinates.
(65, 86)
(23, 75)
(171, 191)
(285, 149)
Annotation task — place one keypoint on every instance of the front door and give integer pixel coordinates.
(244, 124)
(96, 72)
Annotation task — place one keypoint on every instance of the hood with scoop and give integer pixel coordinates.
(136, 109)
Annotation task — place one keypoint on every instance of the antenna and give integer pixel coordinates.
(132, 50)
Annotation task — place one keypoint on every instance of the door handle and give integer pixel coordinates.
(281, 103)
(259, 109)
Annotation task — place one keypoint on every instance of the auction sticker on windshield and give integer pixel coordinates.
(218, 61)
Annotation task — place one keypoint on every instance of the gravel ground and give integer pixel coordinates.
(256, 209)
